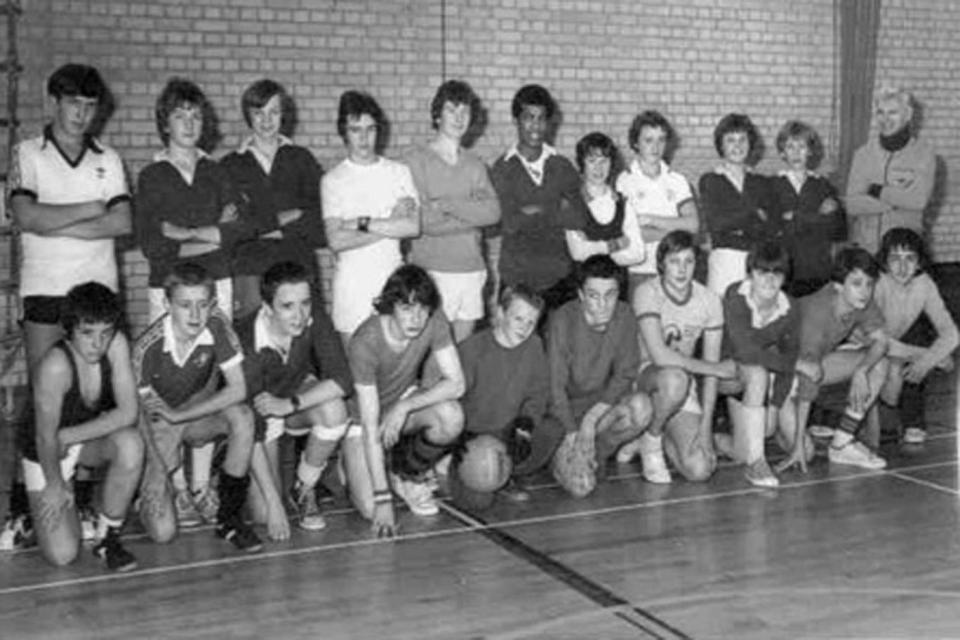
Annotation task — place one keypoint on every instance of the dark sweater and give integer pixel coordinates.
(773, 346)
(808, 236)
(534, 247)
(502, 384)
(164, 196)
(732, 218)
(293, 183)
(589, 366)
(318, 351)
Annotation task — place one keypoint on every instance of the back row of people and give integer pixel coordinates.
(236, 217)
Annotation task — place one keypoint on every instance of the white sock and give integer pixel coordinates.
(105, 522)
(201, 463)
(309, 474)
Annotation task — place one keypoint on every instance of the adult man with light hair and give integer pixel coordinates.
(891, 177)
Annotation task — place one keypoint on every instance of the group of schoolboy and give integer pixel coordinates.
(599, 262)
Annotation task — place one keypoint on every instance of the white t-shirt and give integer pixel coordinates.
(350, 191)
(52, 265)
(682, 321)
(660, 196)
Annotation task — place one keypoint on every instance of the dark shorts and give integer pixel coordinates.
(43, 309)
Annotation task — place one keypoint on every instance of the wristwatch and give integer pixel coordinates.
(295, 403)
(363, 224)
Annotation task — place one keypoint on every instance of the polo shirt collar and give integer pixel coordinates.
(756, 320)
(262, 338)
(535, 168)
(169, 341)
(164, 155)
(635, 168)
(89, 142)
(722, 170)
(247, 144)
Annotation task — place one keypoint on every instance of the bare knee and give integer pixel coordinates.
(641, 410)
(755, 379)
(673, 385)
(449, 423)
(334, 412)
(240, 421)
(129, 450)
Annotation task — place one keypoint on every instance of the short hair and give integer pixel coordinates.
(90, 303)
(654, 120)
(409, 284)
(849, 259)
(674, 242)
(77, 80)
(890, 93)
(601, 266)
(257, 95)
(520, 291)
(279, 274)
(354, 104)
(180, 92)
(734, 123)
(769, 256)
(601, 142)
(903, 238)
(802, 131)
(455, 92)
(188, 274)
(533, 95)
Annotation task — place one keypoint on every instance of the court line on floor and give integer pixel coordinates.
(567, 575)
(518, 522)
(926, 483)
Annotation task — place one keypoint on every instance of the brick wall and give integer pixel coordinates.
(604, 61)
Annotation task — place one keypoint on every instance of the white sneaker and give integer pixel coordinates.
(759, 474)
(654, 465)
(17, 533)
(188, 516)
(628, 451)
(914, 435)
(856, 454)
(208, 504)
(88, 523)
(417, 495)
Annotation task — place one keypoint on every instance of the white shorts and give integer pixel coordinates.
(461, 293)
(353, 296)
(33, 476)
(724, 267)
(224, 291)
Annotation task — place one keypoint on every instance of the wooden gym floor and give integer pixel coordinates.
(838, 553)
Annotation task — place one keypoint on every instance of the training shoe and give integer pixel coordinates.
(88, 522)
(654, 465)
(188, 516)
(914, 435)
(308, 514)
(629, 451)
(114, 556)
(17, 533)
(241, 535)
(856, 454)
(759, 474)
(417, 495)
(207, 504)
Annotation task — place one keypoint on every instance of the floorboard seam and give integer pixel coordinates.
(567, 575)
